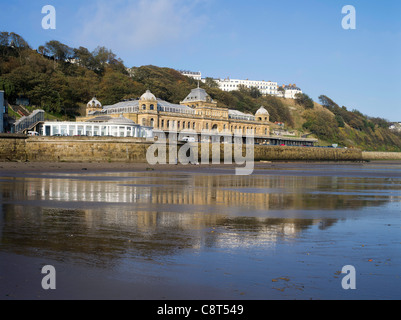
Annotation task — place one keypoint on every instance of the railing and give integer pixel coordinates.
(27, 122)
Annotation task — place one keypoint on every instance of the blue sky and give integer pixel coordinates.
(291, 41)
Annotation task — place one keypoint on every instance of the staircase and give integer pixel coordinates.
(29, 122)
(23, 112)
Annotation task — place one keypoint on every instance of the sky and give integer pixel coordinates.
(300, 42)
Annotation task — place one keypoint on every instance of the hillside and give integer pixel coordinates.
(61, 80)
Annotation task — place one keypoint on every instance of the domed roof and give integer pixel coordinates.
(122, 121)
(94, 103)
(262, 110)
(198, 94)
(148, 96)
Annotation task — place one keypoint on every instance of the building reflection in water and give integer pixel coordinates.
(152, 215)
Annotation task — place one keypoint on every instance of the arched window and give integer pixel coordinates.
(152, 107)
(144, 107)
(152, 121)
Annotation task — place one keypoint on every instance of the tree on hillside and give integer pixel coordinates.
(304, 100)
(114, 87)
(322, 125)
(43, 51)
(211, 83)
(59, 51)
(83, 57)
(4, 42)
(340, 121)
(278, 111)
(254, 92)
(13, 42)
(380, 122)
(327, 102)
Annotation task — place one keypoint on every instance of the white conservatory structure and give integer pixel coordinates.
(101, 126)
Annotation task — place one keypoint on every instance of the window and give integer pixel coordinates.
(64, 130)
(89, 131)
(144, 107)
(114, 131)
(152, 107)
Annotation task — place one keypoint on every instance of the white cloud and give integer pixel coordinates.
(138, 25)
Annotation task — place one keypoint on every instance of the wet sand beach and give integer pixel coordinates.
(140, 232)
(314, 167)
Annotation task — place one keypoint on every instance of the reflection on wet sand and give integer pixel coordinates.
(154, 215)
(258, 192)
(103, 236)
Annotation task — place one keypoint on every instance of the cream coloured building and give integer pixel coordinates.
(197, 114)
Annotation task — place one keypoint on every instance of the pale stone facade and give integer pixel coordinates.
(196, 113)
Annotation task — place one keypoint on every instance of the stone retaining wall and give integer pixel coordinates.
(111, 149)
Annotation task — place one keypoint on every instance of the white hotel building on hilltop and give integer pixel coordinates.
(265, 87)
(192, 74)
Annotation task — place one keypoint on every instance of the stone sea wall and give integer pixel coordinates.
(110, 149)
(381, 155)
(12, 147)
(306, 154)
(84, 149)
